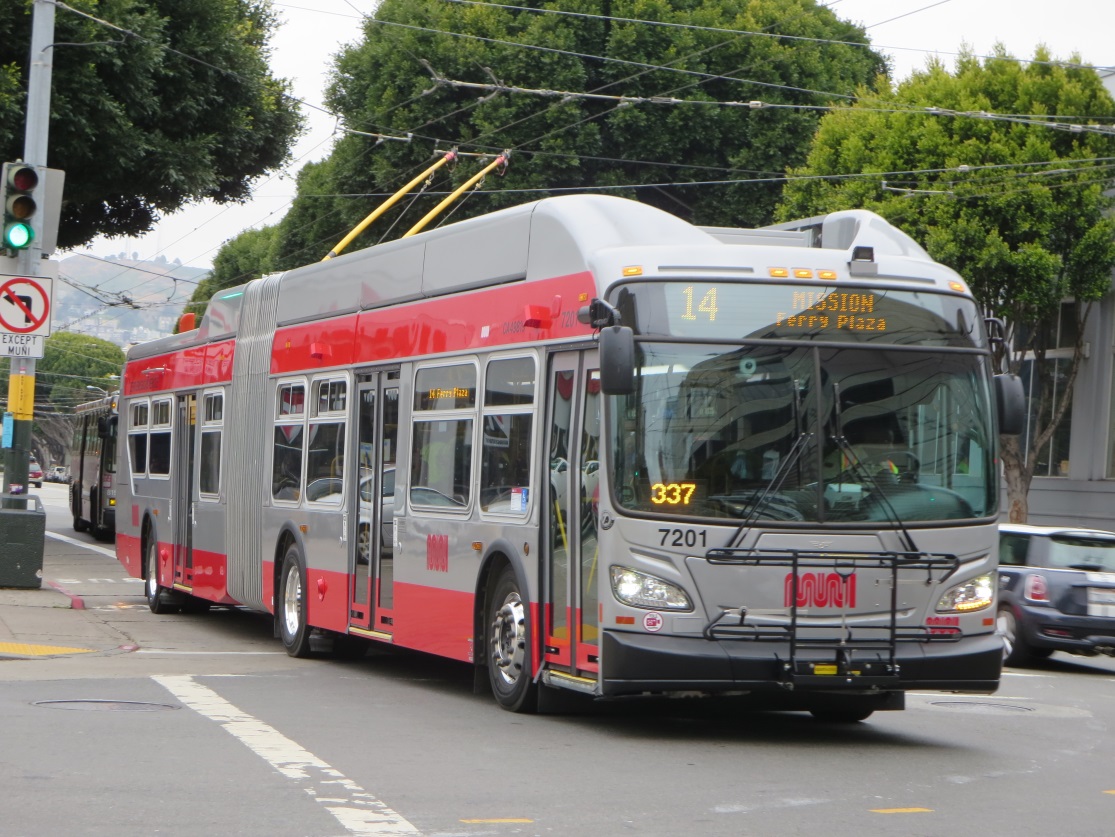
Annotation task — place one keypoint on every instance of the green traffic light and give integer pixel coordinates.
(18, 236)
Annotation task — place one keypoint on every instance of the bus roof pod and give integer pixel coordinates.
(850, 228)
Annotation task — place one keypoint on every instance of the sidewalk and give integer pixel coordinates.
(52, 620)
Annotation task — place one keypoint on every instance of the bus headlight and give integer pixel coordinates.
(974, 594)
(641, 590)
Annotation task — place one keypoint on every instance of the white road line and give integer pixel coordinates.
(358, 811)
(101, 549)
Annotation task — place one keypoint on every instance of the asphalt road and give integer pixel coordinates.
(181, 724)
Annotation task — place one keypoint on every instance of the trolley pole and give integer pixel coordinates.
(21, 381)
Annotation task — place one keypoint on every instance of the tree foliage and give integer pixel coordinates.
(241, 259)
(1015, 205)
(179, 107)
(383, 84)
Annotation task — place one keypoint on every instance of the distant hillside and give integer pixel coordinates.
(122, 300)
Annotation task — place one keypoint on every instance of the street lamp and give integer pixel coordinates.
(97, 389)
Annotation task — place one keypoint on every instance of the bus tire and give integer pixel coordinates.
(509, 645)
(80, 525)
(293, 628)
(159, 599)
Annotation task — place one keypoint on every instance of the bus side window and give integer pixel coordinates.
(286, 454)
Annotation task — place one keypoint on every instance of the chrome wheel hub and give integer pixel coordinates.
(508, 640)
(292, 601)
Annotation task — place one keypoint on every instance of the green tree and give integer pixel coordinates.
(383, 85)
(71, 363)
(1015, 205)
(241, 259)
(175, 105)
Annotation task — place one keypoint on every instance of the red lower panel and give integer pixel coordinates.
(211, 577)
(433, 620)
(326, 598)
(129, 553)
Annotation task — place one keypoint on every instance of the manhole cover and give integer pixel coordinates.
(980, 707)
(105, 705)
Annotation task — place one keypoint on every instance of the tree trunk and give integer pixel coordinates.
(1017, 477)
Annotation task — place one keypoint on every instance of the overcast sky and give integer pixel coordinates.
(906, 30)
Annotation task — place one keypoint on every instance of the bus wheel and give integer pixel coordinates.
(293, 629)
(158, 597)
(80, 525)
(509, 665)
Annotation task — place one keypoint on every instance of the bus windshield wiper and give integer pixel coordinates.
(796, 450)
(864, 474)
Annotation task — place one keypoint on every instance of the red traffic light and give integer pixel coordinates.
(23, 178)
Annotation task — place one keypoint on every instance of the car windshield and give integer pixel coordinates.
(782, 432)
(1082, 553)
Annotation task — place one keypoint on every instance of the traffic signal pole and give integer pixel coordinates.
(21, 380)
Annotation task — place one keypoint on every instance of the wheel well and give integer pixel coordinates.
(145, 536)
(286, 539)
(488, 573)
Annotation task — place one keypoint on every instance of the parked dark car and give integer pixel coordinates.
(1056, 591)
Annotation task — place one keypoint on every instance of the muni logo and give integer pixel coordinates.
(437, 553)
(822, 590)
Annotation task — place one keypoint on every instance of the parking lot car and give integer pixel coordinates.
(1056, 591)
(35, 473)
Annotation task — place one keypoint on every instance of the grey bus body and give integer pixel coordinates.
(796, 501)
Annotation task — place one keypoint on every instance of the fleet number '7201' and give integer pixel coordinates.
(683, 537)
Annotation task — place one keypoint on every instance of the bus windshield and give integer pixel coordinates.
(800, 433)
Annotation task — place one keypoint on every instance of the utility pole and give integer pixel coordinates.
(21, 381)
(23, 529)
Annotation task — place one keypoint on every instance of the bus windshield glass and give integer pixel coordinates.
(800, 433)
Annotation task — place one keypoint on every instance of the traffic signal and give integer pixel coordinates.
(19, 185)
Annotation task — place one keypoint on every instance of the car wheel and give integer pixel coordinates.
(293, 627)
(158, 597)
(509, 649)
(1016, 650)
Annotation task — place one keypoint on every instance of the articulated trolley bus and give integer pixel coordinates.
(93, 467)
(589, 447)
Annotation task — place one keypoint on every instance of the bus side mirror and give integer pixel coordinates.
(102, 426)
(1010, 401)
(617, 360)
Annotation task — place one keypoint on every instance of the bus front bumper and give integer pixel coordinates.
(633, 663)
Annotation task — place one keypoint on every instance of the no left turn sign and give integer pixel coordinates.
(25, 304)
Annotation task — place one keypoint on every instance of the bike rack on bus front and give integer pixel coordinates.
(863, 656)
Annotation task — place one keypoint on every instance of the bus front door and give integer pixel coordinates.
(571, 613)
(184, 488)
(371, 555)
